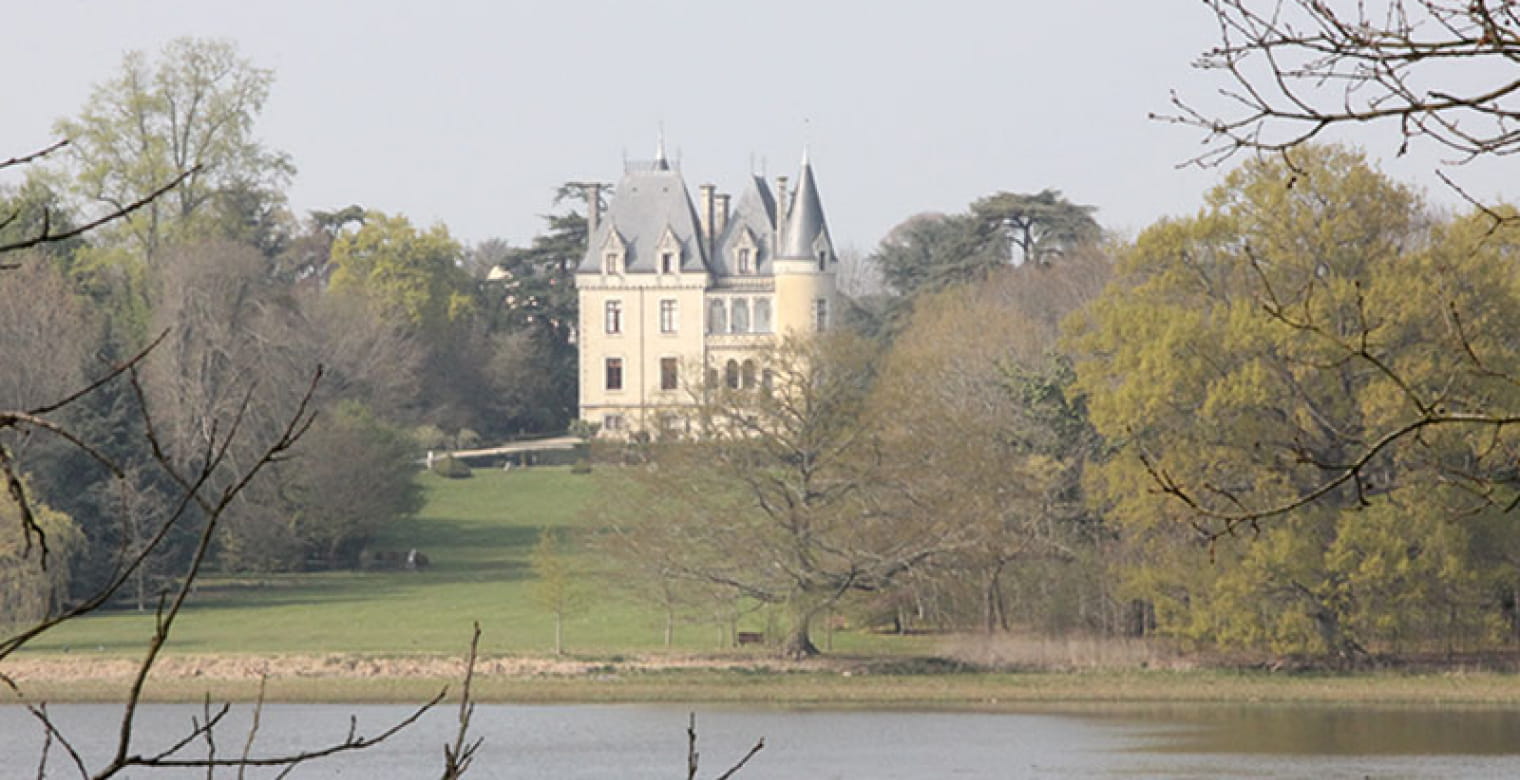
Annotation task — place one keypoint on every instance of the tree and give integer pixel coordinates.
(556, 589)
(31, 589)
(413, 276)
(1039, 227)
(1439, 69)
(351, 478)
(36, 544)
(533, 309)
(930, 252)
(187, 119)
(985, 429)
(45, 326)
(1260, 359)
(782, 496)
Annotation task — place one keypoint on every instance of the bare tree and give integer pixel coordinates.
(1441, 70)
(783, 497)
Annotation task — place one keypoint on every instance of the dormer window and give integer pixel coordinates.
(746, 252)
(614, 254)
(823, 259)
(668, 250)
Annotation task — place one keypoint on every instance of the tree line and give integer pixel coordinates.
(1232, 430)
(423, 342)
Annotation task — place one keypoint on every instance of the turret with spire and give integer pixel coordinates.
(667, 284)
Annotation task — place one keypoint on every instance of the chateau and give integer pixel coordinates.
(674, 293)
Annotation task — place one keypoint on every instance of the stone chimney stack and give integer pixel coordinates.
(781, 204)
(593, 209)
(705, 214)
(722, 215)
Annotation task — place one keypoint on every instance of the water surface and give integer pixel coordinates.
(649, 741)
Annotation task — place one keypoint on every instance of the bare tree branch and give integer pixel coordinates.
(1442, 70)
(47, 236)
(37, 155)
(458, 757)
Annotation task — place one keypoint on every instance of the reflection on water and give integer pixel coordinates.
(649, 741)
(1333, 731)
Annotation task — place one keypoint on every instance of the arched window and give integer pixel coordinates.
(767, 380)
(762, 315)
(748, 374)
(731, 374)
(717, 320)
(739, 323)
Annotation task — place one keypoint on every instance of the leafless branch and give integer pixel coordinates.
(692, 755)
(37, 155)
(458, 757)
(1442, 70)
(47, 236)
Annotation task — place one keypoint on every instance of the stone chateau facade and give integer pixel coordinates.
(673, 292)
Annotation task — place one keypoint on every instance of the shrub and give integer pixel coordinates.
(451, 467)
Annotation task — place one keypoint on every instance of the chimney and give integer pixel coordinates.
(781, 208)
(722, 214)
(705, 214)
(593, 209)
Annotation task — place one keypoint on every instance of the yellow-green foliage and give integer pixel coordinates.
(1249, 350)
(28, 590)
(411, 274)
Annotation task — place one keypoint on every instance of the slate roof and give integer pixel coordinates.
(652, 198)
(754, 210)
(649, 199)
(805, 223)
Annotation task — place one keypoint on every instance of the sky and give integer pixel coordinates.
(471, 113)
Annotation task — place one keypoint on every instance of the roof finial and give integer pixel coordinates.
(659, 150)
(807, 133)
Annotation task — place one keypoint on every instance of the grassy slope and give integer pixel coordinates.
(478, 534)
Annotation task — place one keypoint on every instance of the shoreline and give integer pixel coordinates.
(837, 681)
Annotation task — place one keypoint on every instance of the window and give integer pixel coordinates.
(748, 374)
(670, 374)
(762, 315)
(667, 316)
(739, 322)
(611, 263)
(731, 375)
(717, 319)
(667, 262)
(612, 422)
(821, 314)
(823, 259)
(614, 373)
(746, 263)
(614, 317)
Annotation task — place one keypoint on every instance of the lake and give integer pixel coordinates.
(649, 741)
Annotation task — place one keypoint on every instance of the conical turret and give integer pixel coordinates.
(806, 233)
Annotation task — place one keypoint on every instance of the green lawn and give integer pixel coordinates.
(478, 534)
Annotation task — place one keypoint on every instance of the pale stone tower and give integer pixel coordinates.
(672, 294)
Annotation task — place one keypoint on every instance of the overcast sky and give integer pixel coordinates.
(470, 113)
